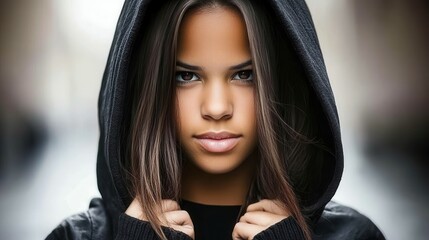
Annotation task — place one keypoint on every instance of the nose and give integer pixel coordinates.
(217, 103)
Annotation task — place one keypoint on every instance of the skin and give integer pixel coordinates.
(216, 99)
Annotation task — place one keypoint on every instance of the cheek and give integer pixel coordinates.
(186, 110)
(244, 108)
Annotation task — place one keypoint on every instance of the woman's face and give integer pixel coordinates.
(215, 90)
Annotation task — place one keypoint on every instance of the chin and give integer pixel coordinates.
(218, 164)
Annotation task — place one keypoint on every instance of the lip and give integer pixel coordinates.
(218, 142)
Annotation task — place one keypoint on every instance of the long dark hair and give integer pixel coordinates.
(152, 160)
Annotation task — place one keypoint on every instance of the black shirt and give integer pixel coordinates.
(211, 221)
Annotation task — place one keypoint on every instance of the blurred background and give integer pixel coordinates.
(52, 57)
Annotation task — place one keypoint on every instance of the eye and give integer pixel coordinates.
(184, 77)
(243, 75)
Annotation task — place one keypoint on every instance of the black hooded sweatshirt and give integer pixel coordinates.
(106, 219)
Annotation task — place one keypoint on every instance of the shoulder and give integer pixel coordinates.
(92, 224)
(342, 222)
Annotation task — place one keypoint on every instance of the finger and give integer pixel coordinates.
(169, 205)
(178, 217)
(135, 205)
(266, 205)
(246, 231)
(188, 230)
(180, 221)
(135, 210)
(260, 218)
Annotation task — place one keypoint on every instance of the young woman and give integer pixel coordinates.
(217, 122)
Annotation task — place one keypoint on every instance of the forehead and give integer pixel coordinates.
(215, 36)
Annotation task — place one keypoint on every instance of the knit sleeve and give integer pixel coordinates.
(286, 229)
(130, 228)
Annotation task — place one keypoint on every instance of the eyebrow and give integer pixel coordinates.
(198, 68)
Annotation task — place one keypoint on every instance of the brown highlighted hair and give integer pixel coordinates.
(152, 159)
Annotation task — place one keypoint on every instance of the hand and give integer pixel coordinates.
(258, 217)
(172, 216)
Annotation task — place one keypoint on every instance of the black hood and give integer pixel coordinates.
(295, 21)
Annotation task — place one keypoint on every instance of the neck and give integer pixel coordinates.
(217, 189)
